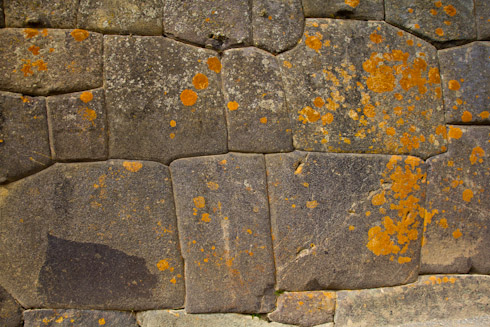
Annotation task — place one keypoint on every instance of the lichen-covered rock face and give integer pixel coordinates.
(482, 13)
(10, 310)
(457, 235)
(41, 13)
(345, 221)
(164, 99)
(224, 230)
(46, 61)
(355, 86)
(355, 9)
(92, 235)
(69, 318)
(465, 73)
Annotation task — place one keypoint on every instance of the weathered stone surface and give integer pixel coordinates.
(77, 125)
(164, 99)
(465, 73)
(42, 62)
(357, 9)
(24, 142)
(2, 17)
(356, 86)
(438, 21)
(467, 322)
(10, 310)
(257, 115)
(482, 13)
(345, 221)
(92, 235)
(224, 232)
(304, 308)
(78, 318)
(41, 13)
(122, 16)
(430, 299)
(457, 236)
(217, 24)
(277, 24)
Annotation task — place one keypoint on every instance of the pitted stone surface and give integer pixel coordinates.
(457, 236)
(355, 86)
(164, 99)
(41, 13)
(122, 17)
(78, 318)
(437, 20)
(257, 115)
(277, 24)
(92, 235)
(217, 24)
(10, 310)
(353, 9)
(46, 61)
(465, 73)
(224, 232)
(430, 299)
(345, 221)
(482, 13)
(77, 125)
(24, 143)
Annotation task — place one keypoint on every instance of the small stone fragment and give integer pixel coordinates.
(482, 13)
(10, 310)
(41, 13)
(352, 9)
(78, 318)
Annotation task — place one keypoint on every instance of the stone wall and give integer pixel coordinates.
(244, 163)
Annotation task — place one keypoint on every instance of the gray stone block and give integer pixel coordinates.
(41, 13)
(353, 9)
(482, 16)
(10, 310)
(78, 318)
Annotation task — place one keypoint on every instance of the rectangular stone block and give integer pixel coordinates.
(482, 13)
(81, 318)
(41, 13)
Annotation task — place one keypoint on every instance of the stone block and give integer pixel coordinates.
(10, 310)
(482, 13)
(24, 141)
(41, 13)
(99, 235)
(77, 125)
(351, 9)
(78, 318)
(47, 61)
(345, 221)
(224, 232)
(357, 86)
(465, 73)
(257, 115)
(2, 16)
(457, 235)
(163, 98)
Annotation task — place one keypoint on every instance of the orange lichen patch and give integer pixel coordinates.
(249, 231)
(379, 199)
(434, 76)
(410, 42)
(199, 202)
(404, 259)
(454, 132)
(86, 96)
(263, 120)
(410, 142)
(311, 204)
(188, 97)
(438, 4)
(30, 33)
(214, 64)
(287, 64)
(381, 78)
(417, 26)
(79, 35)
(173, 280)
(44, 32)
(453, 85)
(27, 69)
(352, 3)
(205, 217)
(308, 115)
(327, 118)
(172, 135)
(34, 49)
(484, 114)
(163, 265)
(433, 12)
(212, 186)
(467, 195)
(391, 131)
(24, 99)
(173, 123)
(200, 81)
(101, 321)
(450, 10)
(232, 105)
(439, 31)
(466, 116)
(88, 114)
(457, 234)
(313, 42)
(475, 153)
(443, 223)
(376, 38)
(318, 102)
(132, 166)
(369, 111)
(352, 227)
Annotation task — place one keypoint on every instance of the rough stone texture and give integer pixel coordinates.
(2, 17)
(217, 24)
(356, 86)
(431, 298)
(479, 321)
(41, 62)
(77, 124)
(78, 318)
(164, 99)
(41, 13)
(465, 73)
(92, 235)
(439, 21)
(10, 310)
(304, 308)
(457, 236)
(277, 24)
(24, 143)
(354, 9)
(370, 237)
(482, 13)
(122, 16)
(257, 115)
(224, 232)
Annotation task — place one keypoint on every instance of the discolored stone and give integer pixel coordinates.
(356, 86)
(277, 24)
(78, 318)
(10, 310)
(163, 99)
(41, 13)
(224, 232)
(122, 16)
(357, 9)
(97, 235)
(482, 13)
(430, 299)
(217, 24)
(465, 73)
(77, 123)
(438, 21)
(257, 116)
(457, 236)
(345, 221)
(24, 143)
(47, 61)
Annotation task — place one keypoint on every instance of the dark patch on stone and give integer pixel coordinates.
(10, 310)
(365, 9)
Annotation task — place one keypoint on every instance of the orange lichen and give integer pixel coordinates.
(88, 114)
(454, 85)
(443, 223)
(434, 76)
(311, 204)
(318, 102)
(86, 96)
(101, 321)
(263, 120)
(352, 3)
(232, 105)
(438, 4)
(188, 97)
(163, 265)
(287, 64)
(173, 123)
(132, 166)
(200, 81)
(404, 259)
(34, 49)
(212, 186)
(457, 234)
(376, 38)
(327, 118)
(199, 202)
(214, 64)
(79, 35)
(205, 217)
(27, 69)
(454, 132)
(308, 115)
(313, 42)
(439, 31)
(379, 199)
(40, 64)
(467, 195)
(466, 116)
(450, 10)
(475, 153)
(30, 33)
(369, 111)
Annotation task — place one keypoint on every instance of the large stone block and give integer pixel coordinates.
(257, 115)
(457, 235)
(78, 318)
(41, 13)
(224, 232)
(41, 62)
(482, 13)
(163, 98)
(10, 310)
(356, 9)
(345, 221)
(92, 236)
(356, 86)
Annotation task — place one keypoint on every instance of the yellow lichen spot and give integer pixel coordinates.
(457, 234)
(249, 231)
(188, 97)
(404, 259)
(263, 120)
(318, 102)
(205, 217)
(466, 116)
(173, 123)
(455, 132)
(86, 96)
(379, 199)
(232, 105)
(306, 184)
(352, 227)
(59, 320)
(311, 204)
(376, 38)
(34, 49)
(443, 223)
(132, 166)
(313, 42)
(287, 64)
(327, 118)
(467, 195)
(199, 202)
(450, 10)
(214, 64)
(30, 33)
(172, 135)
(368, 213)
(200, 81)
(439, 31)
(454, 85)
(173, 280)
(79, 35)
(163, 265)
(212, 186)
(475, 153)
(101, 321)
(352, 3)
(452, 280)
